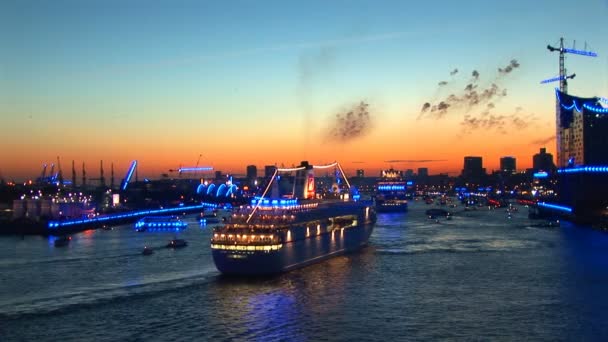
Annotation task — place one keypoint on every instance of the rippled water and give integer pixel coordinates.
(480, 276)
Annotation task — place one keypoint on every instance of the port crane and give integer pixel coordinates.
(59, 172)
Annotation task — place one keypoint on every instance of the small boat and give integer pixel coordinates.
(147, 251)
(63, 241)
(177, 243)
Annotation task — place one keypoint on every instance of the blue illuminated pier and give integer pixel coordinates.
(561, 208)
(122, 217)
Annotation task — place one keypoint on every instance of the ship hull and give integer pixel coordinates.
(294, 254)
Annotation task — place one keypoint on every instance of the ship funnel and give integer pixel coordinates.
(305, 181)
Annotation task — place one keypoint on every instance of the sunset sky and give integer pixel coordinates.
(265, 82)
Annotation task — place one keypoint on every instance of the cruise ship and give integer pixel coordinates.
(282, 232)
(391, 192)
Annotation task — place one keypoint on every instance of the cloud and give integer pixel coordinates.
(510, 67)
(352, 124)
(475, 75)
(414, 160)
(442, 83)
(454, 72)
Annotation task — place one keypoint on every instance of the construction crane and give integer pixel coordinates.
(51, 174)
(563, 88)
(59, 173)
(84, 176)
(43, 173)
(111, 175)
(563, 84)
(73, 174)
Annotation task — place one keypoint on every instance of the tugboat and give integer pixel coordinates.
(285, 232)
(177, 243)
(63, 241)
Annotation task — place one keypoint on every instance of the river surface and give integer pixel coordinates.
(479, 276)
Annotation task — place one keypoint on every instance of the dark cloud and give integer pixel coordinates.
(475, 75)
(426, 106)
(478, 101)
(358, 162)
(543, 141)
(454, 72)
(510, 67)
(415, 160)
(351, 125)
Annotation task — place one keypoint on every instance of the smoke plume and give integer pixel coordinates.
(512, 66)
(544, 141)
(353, 124)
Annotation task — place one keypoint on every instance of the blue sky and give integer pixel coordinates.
(148, 67)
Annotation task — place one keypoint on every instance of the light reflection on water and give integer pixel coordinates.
(477, 276)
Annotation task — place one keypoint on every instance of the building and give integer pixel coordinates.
(543, 161)
(581, 135)
(582, 142)
(508, 165)
(423, 172)
(252, 172)
(473, 171)
(409, 174)
(360, 173)
(269, 170)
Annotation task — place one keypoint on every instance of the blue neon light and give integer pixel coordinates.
(580, 52)
(584, 169)
(219, 190)
(191, 169)
(391, 187)
(555, 206)
(549, 80)
(210, 188)
(129, 175)
(541, 175)
(200, 188)
(280, 203)
(595, 109)
(133, 214)
(410, 183)
(574, 105)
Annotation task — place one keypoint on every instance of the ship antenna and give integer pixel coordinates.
(274, 175)
(332, 165)
(263, 194)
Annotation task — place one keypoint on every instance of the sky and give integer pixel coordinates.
(232, 83)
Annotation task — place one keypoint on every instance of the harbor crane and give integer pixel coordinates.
(563, 86)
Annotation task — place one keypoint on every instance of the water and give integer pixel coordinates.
(480, 276)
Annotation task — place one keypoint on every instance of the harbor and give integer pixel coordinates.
(477, 264)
